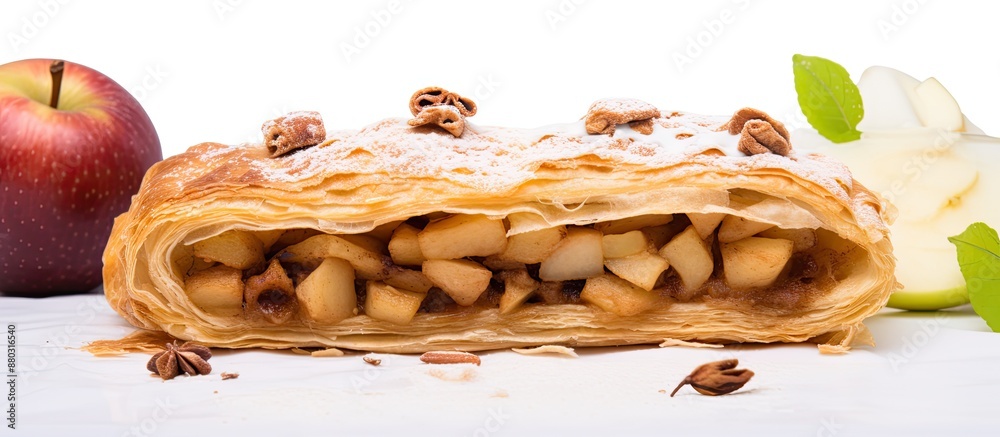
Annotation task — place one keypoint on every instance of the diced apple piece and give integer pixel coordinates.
(705, 223)
(327, 294)
(387, 303)
(641, 269)
(199, 264)
(518, 287)
(936, 107)
(624, 225)
(736, 228)
(384, 231)
(622, 245)
(235, 248)
(691, 257)
(615, 295)
(497, 263)
(803, 238)
(754, 261)
(295, 236)
(268, 238)
(182, 258)
(367, 242)
(534, 246)
(409, 280)
(462, 279)
(462, 235)
(579, 256)
(660, 235)
(404, 248)
(217, 290)
(368, 264)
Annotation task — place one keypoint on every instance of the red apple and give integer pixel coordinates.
(71, 156)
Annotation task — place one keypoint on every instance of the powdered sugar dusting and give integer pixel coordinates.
(496, 160)
(621, 106)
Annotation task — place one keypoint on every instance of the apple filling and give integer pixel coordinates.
(460, 262)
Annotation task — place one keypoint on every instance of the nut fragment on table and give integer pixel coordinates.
(716, 378)
(450, 357)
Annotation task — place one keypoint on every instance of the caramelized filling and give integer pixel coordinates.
(444, 263)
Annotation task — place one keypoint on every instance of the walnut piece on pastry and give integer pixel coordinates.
(440, 107)
(759, 133)
(759, 136)
(735, 124)
(605, 114)
(437, 96)
(293, 131)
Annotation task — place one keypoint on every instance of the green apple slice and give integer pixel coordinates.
(930, 300)
(936, 107)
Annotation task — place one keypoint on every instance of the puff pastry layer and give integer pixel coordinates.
(370, 181)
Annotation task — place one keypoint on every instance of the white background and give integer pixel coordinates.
(214, 70)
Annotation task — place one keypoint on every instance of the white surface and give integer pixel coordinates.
(210, 71)
(932, 373)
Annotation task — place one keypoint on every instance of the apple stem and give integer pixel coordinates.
(57, 71)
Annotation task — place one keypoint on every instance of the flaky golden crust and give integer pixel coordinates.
(390, 171)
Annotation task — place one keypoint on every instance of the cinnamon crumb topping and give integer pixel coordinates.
(604, 115)
(644, 127)
(293, 131)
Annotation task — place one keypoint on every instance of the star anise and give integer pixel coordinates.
(189, 358)
(716, 378)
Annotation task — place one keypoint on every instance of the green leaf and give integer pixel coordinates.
(979, 259)
(828, 98)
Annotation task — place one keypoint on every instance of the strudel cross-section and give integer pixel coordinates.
(632, 225)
